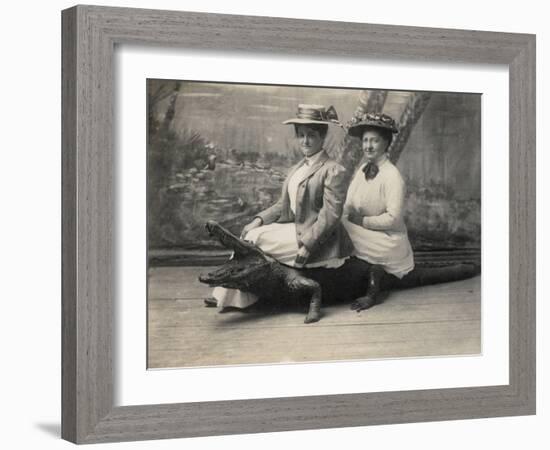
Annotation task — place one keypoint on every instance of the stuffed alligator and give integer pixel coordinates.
(252, 270)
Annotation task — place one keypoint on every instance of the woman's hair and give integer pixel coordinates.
(386, 134)
(321, 128)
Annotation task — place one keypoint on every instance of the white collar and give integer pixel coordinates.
(310, 161)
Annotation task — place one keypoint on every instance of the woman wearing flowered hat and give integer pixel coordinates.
(373, 212)
(304, 228)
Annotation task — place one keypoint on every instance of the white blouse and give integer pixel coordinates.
(294, 181)
(380, 199)
(382, 239)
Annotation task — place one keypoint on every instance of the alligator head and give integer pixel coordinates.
(246, 269)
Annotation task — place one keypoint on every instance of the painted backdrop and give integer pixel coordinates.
(220, 151)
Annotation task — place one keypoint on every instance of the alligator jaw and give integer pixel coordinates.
(229, 240)
(237, 274)
(248, 265)
(216, 277)
(215, 229)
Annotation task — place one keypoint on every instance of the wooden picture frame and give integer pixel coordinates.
(90, 34)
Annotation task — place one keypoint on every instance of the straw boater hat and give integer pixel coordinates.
(311, 114)
(357, 125)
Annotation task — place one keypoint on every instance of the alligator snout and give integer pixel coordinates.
(210, 226)
(205, 278)
(209, 278)
(218, 276)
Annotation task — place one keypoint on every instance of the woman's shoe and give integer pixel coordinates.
(210, 302)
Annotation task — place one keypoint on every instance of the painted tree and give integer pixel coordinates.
(157, 92)
(411, 114)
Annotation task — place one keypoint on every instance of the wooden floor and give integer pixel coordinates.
(426, 321)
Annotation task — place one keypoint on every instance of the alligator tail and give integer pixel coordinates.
(423, 276)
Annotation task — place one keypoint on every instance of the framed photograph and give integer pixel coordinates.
(206, 163)
(239, 214)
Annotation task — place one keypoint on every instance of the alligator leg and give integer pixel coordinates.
(312, 289)
(373, 290)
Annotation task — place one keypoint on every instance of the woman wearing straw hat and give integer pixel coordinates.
(373, 212)
(303, 229)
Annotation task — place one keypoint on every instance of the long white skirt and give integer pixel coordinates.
(279, 241)
(390, 249)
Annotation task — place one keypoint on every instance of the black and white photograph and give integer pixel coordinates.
(290, 224)
(275, 225)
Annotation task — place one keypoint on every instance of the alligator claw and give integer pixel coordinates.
(312, 318)
(363, 303)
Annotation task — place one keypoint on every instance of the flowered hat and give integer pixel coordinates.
(309, 114)
(359, 122)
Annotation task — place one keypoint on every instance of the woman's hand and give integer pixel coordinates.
(249, 227)
(301, 256)
(355, 218)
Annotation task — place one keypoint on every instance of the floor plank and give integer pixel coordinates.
(191, 313)
(425, 321)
